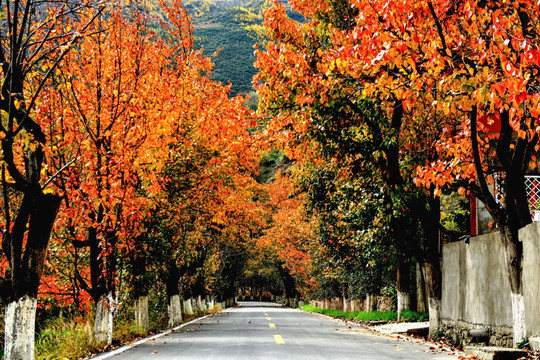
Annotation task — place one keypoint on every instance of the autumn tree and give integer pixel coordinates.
(208, 188)
(485, 57)
(355, 249)
(103, 104)
(34, 38)
(289, 236)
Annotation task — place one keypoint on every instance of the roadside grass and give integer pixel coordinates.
(66, 339)
(369, 316)
(409, 315)
(63, 338)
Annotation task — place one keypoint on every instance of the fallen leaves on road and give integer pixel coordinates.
(467, 357)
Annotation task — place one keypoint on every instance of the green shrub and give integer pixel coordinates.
(367, 316)
(364, 316)
(409, 315)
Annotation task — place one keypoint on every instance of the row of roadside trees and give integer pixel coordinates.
(132, 168)
(121, 159)
(403, 100)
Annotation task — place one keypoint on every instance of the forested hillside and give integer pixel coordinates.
(232, 28)
(223, 26)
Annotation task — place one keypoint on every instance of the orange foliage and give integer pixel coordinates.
(129, 104)
(291, 234)
(438, 58)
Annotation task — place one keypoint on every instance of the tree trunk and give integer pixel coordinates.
(141, 284)
(371, 302)
(403, 284)
(431, 264)
(518, 318)
(421, 305)
(201, 304)
(289, 284)
(188, 310)
(20, 329)
(35, 218)
(514, 213)
(513, 252)
(141, 313)
(175, 311)
(432, 274)
(103, 325)
(344, 296)
(403, 302)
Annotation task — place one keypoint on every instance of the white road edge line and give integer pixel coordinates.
(129, 346)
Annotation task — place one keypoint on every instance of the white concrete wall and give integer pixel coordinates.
(475, 285)
(530, 236)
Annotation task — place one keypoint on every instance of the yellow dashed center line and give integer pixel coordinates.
(268, 318)
(265, 314)
(279, 339)
(272, 325)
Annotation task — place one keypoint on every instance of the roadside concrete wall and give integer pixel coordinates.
(475, 285)
(530, 236)
(476, 289)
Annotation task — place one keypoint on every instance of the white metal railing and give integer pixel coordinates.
(532, 186)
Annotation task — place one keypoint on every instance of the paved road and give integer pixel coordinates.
(257, 330)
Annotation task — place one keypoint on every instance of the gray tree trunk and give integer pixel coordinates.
(141, 313)
(420, 290)
(103, 326)
(371, 302)
(403, 302)
(518, 317)
(434, 315)
(188, 310)
(19, 330)
(175, 311)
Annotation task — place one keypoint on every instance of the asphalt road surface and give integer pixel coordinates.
(258, 330)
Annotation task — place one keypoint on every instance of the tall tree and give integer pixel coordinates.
(485, 66)
(34, 39)
(103, 105)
